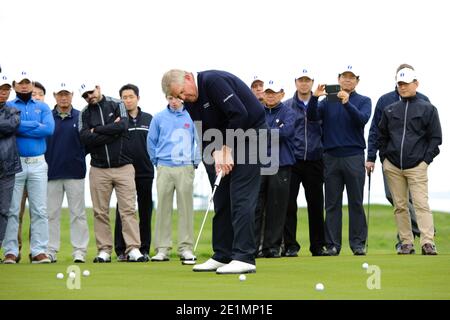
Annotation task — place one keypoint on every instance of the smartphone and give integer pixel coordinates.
(332, 91)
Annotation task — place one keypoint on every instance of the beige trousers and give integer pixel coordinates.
(181, 180)
(414, 180)
(102, 181)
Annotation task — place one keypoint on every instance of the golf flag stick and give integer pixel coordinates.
(210, 201)
(368, 212)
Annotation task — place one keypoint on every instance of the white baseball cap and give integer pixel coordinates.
(86, 86)
(406, 75)
(22, 75)
(350, 68)
(305, 73)
(256, 78)
(4, 79)
(272, 85)
(63, 86)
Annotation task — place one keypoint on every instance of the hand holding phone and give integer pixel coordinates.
(332, 91)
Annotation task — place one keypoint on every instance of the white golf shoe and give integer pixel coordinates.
(187, 255)
(209, 265)
(159, 257)
(135, 256)
(236, 267)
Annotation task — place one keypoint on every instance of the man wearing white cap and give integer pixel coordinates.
(9, 155)
(307, 170)
(36, 124)
(103, 126)
(372, 147)
(343, 124)
(257, 87)
(66, 172)
(410, 135)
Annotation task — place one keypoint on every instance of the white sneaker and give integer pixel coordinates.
(77, 258)
(160, 256)
(237, 267)
(135, 256)
(209, 265)
(187, 255)
(102, 257)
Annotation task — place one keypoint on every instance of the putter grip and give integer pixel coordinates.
(219, 176)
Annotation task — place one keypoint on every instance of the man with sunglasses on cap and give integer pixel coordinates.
(9, 155)
(36, 125)
(103, 127)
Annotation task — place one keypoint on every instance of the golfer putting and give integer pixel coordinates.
(224, 103)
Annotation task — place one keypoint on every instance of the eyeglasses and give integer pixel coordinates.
(87, 93)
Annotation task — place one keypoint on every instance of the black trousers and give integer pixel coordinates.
(7, 188)
(233, 234)
(310, 174)
(145, 208)
(270, 213)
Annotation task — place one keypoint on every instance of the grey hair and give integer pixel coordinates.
(403, 66)
(174, 76)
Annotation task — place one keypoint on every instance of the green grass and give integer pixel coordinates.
(402, 277)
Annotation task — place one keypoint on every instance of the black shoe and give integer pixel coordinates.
(291, 252)
(331, 252)
(272, 253)
(319, 253)
(146, 257)
(359, 252)
(429, 249)
(122, 257)
(406, 249)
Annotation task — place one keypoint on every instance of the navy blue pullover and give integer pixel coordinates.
(65, 153)
(343, 124)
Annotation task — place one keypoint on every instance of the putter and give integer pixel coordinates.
(368, 213)
(210, 201)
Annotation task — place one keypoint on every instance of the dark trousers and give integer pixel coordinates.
(348, 172)
(270, 213)
(310, 175)
(233, 234)
(145, 207)
(7, 188)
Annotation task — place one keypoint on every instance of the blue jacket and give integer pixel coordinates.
(308, 133)
(282, 118)
(36, 123)
(65, 154)
(343, 124)
(172, 139)
(382, 103)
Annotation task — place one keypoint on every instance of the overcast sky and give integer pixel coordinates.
(116, 42)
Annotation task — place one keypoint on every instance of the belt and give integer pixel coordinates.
(29, 160)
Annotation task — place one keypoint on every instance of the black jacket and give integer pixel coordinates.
(136, 144)
(410, 132)
(9, 155)
(106, 143)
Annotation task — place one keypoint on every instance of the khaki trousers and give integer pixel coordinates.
(415, 181)
(181, 180)
(102, 182)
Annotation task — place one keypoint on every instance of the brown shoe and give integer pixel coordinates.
(10, 259)
(429, 249)
(41, 258)
(406, 249)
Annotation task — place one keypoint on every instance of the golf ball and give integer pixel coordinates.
(320, 287)
(72, 275)
(242, 277)
(365, 265)
(60, 276)
(86, 273)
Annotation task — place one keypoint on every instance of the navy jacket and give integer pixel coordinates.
(225, 102)
(9, 154)
(282, 118)
(65, 154)
(410, 132)
(343, 124)
(382, 103)
(136, 144)
(308, 133)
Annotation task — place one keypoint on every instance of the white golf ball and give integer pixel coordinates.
(72, 275)
(242, 277)
(320, 287)
(365, 265)
(59, 276)
(86, 273)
